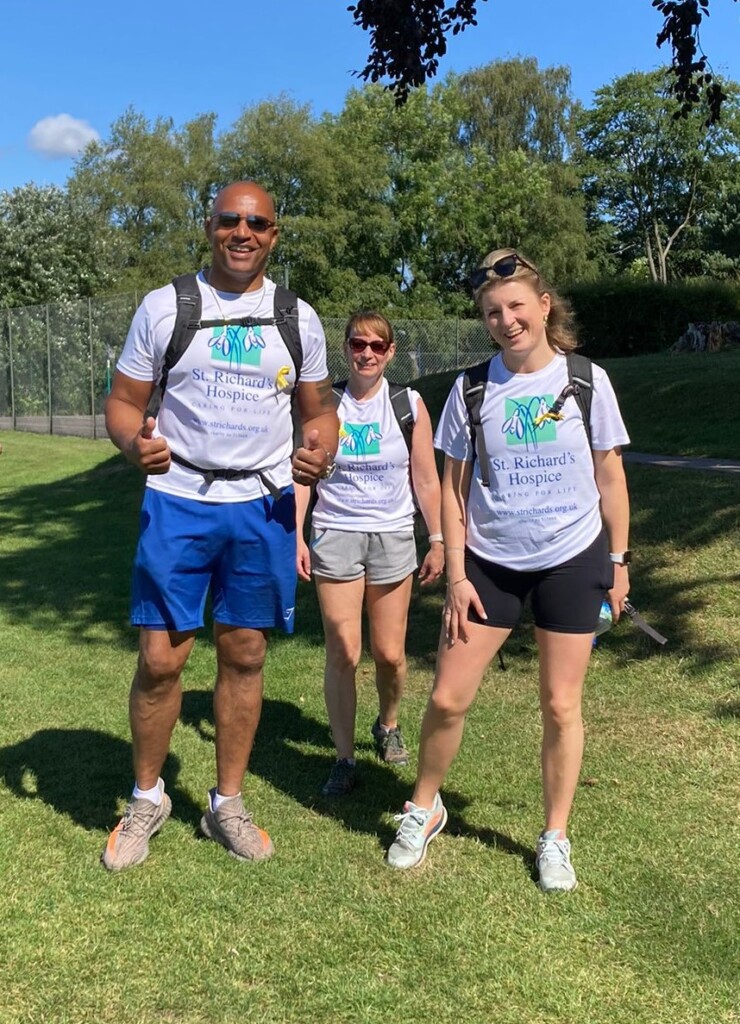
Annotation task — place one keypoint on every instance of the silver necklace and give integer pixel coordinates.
(259, 296)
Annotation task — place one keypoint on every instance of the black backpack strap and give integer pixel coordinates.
(474, 391)
(286, 321)
(401, 404)
(209, 475)
(580, 375)
(187, 322)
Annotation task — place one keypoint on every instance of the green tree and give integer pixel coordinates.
(515, 107)
(515, 104)
(52, 246)
(329, 192)
(152, 184)
(651, 176)
(407, 38)
(457, 187)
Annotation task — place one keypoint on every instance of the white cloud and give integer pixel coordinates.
(61, 135)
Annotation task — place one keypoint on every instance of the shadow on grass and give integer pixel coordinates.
(729, 705)
(280, 757)
(688, 510)
(54, 765)
(68, 547)
(456, 826)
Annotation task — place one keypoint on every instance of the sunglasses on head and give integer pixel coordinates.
(253, 221)
(504, 267)
(358, 346)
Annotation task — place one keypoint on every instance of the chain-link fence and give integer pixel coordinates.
(57, 360)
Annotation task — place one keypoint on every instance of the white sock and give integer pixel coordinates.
(218, 799)
(153, 795)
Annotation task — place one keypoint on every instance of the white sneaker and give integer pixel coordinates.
(417, 829)
(553, 863)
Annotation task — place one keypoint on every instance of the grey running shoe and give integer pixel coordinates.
(232, 826)
(553, 863)
(389, 744)
(417, 829)
(128, 843)
(342, 778)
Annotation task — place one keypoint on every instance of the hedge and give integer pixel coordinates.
(626, 318)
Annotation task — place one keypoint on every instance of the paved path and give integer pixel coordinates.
(680, 462)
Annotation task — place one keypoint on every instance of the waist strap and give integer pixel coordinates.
(209, 475)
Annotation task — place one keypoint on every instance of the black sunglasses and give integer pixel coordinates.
(358, 346)
(504, 267)
(232, 220)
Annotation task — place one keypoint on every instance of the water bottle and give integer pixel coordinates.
(605, 619)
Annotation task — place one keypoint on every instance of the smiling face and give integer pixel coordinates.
(367, 354)
(514, 313)
(239, 254)
(368, 348)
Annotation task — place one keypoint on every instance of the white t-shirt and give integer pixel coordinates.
(370, 491)
(227, 403)
(542, 507)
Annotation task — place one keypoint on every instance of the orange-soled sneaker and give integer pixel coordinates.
(417, 829)
(232, 826)
(128, 843)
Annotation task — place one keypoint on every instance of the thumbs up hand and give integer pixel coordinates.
(312, 461)
(148, 453)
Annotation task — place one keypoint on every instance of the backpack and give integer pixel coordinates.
(580, 386)
(188, 322)
(400, 403)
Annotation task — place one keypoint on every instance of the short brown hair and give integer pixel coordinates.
(369, 320)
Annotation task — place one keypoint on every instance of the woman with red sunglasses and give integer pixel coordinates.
(548, 521)
(362, 542)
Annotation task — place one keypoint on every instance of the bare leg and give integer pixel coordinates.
(460, 670)
(341, 611)
(564, 660)
(155, 699)
(237, 701)
(388, 609)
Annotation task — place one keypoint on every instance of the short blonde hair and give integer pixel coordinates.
(369, 320)
(561, 334)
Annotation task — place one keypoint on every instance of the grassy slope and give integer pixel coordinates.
(680, 405)
(325, 932)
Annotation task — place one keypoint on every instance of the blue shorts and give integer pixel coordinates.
(243, 552)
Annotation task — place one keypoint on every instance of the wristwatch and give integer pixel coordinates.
(329, 468)
(620, 557)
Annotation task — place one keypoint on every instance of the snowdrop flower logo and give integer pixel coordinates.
(526, 421)
(238, 346)
(360, 438)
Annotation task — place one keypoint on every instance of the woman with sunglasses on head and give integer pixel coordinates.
(552, 524)
(362, 541)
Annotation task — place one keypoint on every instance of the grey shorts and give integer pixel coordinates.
(347, 555)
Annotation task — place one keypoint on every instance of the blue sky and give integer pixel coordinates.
(69, 69)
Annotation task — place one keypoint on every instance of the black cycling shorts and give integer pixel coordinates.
(565, 598)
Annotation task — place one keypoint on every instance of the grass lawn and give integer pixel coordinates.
(672, 405)
(325, 932)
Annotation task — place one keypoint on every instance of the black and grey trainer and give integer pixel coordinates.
(342, 778)
(389, 744)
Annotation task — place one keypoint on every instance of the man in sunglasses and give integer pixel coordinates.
(218, 513)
